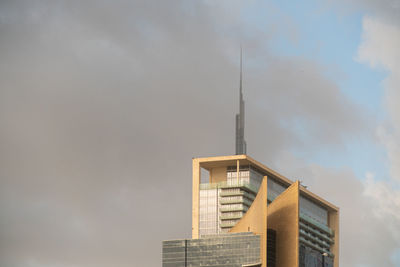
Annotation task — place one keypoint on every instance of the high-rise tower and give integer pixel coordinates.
(248, 215)
(240, 142)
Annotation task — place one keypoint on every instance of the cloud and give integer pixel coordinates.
(386, 200)
(379, 49)
(103, 104)
(379, 44)
(385, 10)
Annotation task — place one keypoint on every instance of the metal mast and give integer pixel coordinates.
(240, 142)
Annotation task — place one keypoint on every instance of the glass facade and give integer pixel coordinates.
(223, 204)
(316, 238)
(314, 211)
(312, 258)
(247, 174)
(209, 215)
(274, 189)
(224, 250)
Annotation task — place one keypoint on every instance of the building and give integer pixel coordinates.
(250, 215)
(247, 214)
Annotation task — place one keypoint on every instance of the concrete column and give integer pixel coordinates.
(196, 177)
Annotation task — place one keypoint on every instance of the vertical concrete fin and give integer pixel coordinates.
(283, 217)
(334, 224)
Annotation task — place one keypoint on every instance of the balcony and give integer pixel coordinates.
(228, 209)
(230, 217)
(313, 239)
(225, 185)
(227, 224)
(236, 201)
(316, 247)
(317, 233)
(313, 223)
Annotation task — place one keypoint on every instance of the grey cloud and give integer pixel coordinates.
(304, 96)
(102, 106)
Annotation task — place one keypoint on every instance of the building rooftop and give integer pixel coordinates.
(221, 161)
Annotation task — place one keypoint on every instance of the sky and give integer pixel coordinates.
(103, 104)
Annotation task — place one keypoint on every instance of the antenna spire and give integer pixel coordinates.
(241, 70)
(240, 142)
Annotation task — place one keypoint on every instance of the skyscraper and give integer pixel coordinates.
(240, 142)
(249, 215)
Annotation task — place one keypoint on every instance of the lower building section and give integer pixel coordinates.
(223, 250)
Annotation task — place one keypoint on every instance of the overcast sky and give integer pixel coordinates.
(103, 104)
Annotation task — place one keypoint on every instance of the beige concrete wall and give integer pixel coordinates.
(218, 175)
(255, 220)
(283, 217)
(196, 176)
(334, 225)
